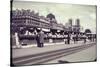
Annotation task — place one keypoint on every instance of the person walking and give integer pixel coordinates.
(41, 38)
(65, 39)
(68, 39)
(37, 38)
(74, 38)
(84, 36)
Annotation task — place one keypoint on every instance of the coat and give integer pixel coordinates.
(41, 37)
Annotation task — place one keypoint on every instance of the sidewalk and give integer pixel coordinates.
(48, 47)
(46, 44)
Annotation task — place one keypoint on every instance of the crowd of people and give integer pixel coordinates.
(39, 36)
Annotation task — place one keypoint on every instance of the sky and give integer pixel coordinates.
(63, 12)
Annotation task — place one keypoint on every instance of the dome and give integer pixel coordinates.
(51, 16)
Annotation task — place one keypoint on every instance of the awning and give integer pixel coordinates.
(46, 30)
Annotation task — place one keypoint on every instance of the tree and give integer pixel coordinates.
(87, 31)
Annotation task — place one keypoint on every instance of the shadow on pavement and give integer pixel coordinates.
(63, 61)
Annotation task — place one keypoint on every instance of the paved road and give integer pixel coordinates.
(36, 50)
(47, 56)
(89, 54)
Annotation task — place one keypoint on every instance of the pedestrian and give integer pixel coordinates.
(74, 38)
(37, 39)
(68, 39)
(65, 39)
(41, 38)
(84, 37)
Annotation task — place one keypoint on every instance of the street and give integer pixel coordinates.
(50, 54)
(84, 55)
